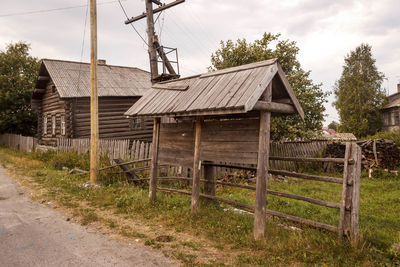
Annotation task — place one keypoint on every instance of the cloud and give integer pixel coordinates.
(324, 30)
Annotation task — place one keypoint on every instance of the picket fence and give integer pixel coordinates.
(125, 149)
(18, 142)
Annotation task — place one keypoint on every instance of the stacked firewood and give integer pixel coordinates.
(377, 153)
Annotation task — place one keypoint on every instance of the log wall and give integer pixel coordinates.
(112, 122)
(50, 105)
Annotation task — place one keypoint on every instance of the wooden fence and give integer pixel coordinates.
(112, 148)
(19, 142)
(350, 195)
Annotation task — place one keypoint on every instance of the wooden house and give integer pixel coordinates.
(61, 100)
(221, 116)
(391, 112)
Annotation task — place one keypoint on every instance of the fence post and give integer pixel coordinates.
(209, 176)
(350, 204)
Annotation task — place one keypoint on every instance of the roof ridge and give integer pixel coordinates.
(87, 63)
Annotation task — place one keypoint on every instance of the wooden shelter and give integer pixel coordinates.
(221, 116)
(61, 100)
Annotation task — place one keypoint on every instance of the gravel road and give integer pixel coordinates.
(32, 234)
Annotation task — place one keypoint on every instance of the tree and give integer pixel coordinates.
(18, 71)
(359, 94)
(333, 125)
(310, 95)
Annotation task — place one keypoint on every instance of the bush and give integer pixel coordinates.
(394, 136)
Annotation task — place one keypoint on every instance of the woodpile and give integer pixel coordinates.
(377, 153)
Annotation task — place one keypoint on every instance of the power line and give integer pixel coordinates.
(126, 15)
(83, 43)
(51, 10)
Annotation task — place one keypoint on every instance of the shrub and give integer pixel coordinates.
(394, 136)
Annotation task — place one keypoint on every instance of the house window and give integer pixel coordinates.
(53, 89)
(136, 124)
(53, 125)
(396, 118)
(62, 125)
(44, 124)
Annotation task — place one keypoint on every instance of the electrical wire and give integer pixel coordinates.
(83, 44)
(126, 15)
(51, 10)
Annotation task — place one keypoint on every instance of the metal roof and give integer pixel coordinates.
(72, 79)
(228, 91)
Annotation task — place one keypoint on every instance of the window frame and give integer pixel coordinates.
(53, 124)
(62, 125)
(45, 124)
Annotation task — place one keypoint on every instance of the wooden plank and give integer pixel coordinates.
(154, 161)
(355, 207)
(274, 107)
(261, 88)
(307, 176)
(240, 68)
(209, 177)
(302, 221)
(196, 167)
(307, 159)
(344, 221)
(290, 91)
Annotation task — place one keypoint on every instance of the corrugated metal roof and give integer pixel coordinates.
(232, 90)
(72, 79)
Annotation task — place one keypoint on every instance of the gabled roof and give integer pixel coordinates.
(229, 91)
(112, 80)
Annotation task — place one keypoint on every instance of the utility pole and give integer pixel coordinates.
(153, 44)
(94, 115)
(150, 38)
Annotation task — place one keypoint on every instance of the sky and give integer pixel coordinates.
(325, 31)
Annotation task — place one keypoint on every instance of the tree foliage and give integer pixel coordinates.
(18, 72)
(359, 94)
(333, 125)
(310, 95)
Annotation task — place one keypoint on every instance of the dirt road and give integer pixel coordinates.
(32, 234)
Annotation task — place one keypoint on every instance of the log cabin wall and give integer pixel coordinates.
(112, 122)
(234, 141)
(50, 105)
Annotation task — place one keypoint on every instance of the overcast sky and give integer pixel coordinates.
(325, 31)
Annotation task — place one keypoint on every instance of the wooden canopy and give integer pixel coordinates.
(234, 90)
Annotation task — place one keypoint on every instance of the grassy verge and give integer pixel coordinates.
(217, 236)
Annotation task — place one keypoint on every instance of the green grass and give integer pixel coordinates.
(232, 233)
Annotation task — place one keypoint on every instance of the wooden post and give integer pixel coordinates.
(196, 167)
(262, 168)
(154, 160)
(94, 116)
(209, 176)
(350, 204)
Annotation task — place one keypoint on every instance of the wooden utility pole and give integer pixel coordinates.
(94, 116)
(153, 43)
(150, 38)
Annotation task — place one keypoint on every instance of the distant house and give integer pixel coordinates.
(61, 100)
(391, 112)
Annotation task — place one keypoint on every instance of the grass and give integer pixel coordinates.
(228, 234)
